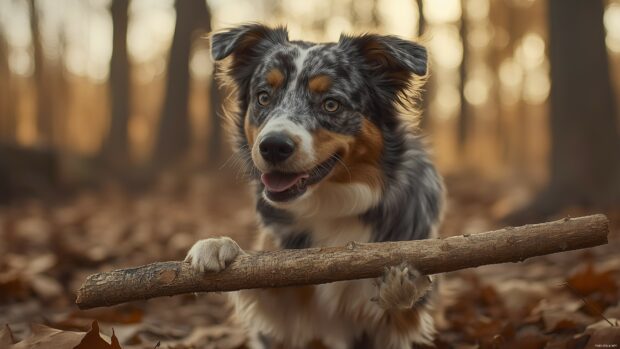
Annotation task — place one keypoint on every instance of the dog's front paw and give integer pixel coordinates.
(213, 254)
(401, 287)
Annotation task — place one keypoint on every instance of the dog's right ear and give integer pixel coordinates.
(246, 41)
(245, 44)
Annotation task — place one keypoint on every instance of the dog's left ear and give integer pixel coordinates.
(388, 57)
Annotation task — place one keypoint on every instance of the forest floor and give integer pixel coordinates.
(47, 248)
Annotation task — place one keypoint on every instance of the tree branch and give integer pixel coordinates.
(354, 261)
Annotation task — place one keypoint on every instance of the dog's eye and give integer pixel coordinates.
(331, 105)
(263, 98)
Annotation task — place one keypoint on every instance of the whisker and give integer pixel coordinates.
(337, 157)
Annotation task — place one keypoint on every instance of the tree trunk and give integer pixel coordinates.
(464, 116)
(45, 115)
(425, 98)
(585, 146)
(115, 150)
(214, 143)
(173, 139)
(7, 118)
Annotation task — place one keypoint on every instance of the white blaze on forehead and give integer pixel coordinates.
(282, 124)
(300, 60)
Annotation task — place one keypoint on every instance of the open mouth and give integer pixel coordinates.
(286, 186)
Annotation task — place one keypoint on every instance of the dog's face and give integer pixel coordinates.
(314, 113)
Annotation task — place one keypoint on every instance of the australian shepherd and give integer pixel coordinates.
(327, 133)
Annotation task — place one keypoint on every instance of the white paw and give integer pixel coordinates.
(213, 255)
(401, 287)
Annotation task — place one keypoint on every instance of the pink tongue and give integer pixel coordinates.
(278, 182)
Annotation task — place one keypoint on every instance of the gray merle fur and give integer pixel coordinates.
(371, 76)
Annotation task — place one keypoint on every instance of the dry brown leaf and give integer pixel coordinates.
(6, 337)
(92, 340)
(606, 337)
(561, 320)
(589, 281)
(43, 337)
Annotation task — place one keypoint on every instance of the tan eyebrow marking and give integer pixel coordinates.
(320, 83)
(275, 78)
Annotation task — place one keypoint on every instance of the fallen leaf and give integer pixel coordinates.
(562, 320)
(6, 337)
(606, 337)
(589, 281)
(92, 340)
(43, 337)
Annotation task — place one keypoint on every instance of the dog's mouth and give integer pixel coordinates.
(286, 186)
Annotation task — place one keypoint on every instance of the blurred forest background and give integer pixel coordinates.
(112, 154)
(100, 89)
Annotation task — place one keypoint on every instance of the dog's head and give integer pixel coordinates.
(312, 113)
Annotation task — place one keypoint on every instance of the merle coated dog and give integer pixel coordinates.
(327, 133)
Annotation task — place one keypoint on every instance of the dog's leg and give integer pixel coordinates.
(213, 255)
(401, 287)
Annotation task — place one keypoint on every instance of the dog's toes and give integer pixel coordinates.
(401, 286)
(213, 255)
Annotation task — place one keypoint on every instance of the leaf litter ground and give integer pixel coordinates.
(568, 300)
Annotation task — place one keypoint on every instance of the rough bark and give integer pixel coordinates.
(354, 261)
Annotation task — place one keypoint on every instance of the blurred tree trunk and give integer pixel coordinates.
(464, 115)
(425, 102)
(45, 124)
(115, 150)
(214, 138)
(7, 117)
(214, 143)
(173, 139)
(585, 145)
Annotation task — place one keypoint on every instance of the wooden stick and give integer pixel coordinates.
(354, 261)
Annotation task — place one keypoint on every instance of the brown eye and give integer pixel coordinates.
(331, 105)
(263, 98)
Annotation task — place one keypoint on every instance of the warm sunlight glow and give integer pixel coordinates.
(337, 25)
(445, 46)
(477, 10)
(479, 37)
(150, 29)
(399, 17)
(511, 77)
(477, 86)
(536, 86)
(531, 51)
(442, 11)
(612, 25)
(447, 102)
(21, 62)
(201, 65)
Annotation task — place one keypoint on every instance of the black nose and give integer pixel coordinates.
(276, 147)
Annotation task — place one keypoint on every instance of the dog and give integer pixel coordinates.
(327, 135)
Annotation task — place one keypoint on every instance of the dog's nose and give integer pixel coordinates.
(276, 147)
